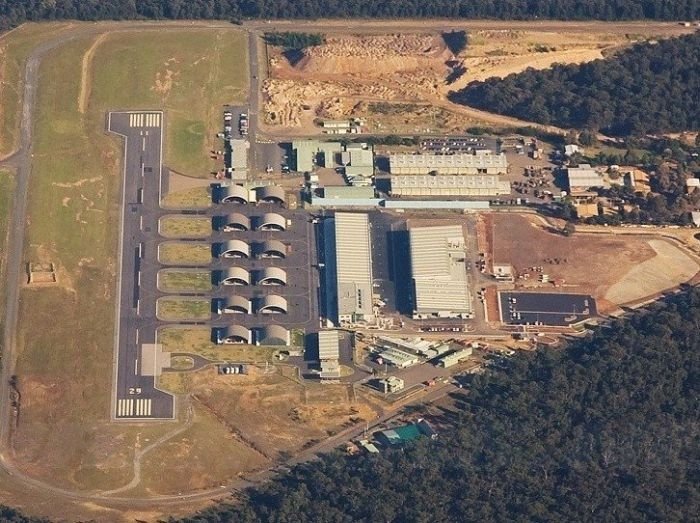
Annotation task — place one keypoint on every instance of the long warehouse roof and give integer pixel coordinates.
(479, 161)
(328, 345)
(354, 263)
(438, 270)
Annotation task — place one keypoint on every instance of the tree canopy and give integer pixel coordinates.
(604, 430)
(649, 88)
(13, 12)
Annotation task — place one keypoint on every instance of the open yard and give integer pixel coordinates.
(64, 435)
(181, 253)
(181, 308)
(184, 227)
(271, 413)
(614, 269)
(184, 280)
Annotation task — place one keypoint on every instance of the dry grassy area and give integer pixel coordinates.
(181, 308)
(184, 280)
(180, 253)
(398, 82)
(184, 227)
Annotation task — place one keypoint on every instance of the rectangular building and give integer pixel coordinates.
(353, 268)
(438, 270)
(448, 185)
(448, 164)
(449, 360)
(583, 177)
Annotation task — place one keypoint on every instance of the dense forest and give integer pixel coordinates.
(648, 88)
(13, 12)
(605, 430)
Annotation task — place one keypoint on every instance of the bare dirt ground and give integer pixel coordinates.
(397, 82)
(663, 271)
(614, 269)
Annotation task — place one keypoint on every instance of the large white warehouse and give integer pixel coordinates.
(448, 185)
(349, 258)
(440, 285)
(482, 163)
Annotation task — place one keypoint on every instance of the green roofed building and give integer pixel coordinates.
(406, 433)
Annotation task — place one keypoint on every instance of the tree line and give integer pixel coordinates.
(649, 88)
(604, 430)
(13, 12)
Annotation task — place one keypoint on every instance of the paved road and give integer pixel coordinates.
(134, 393)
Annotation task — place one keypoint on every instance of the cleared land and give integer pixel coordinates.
(180, 253)
(184, 227)
(667, 269)
(608, 267)
(184, 280)
(175, 308)
(64, 435)
(410, 71)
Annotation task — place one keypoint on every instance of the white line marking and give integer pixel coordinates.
(136, 368)
(148, 409)
(137, 336)
(143, 143)
(131, 407)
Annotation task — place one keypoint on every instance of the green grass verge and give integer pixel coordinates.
(174, 280)
(193, 198)
(190, 74)
(185, 227)
(15, 49)
(173, 308)
(197, 340)
(181, 253)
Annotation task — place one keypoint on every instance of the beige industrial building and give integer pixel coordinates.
(482, 163)
(353, 268)
(329, 354)
(448, 185)
(440, 284)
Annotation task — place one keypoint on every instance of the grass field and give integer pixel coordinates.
(184, 227)
(184, 280)
(192, 198)
(175, 308)
(197, 340)
(181, 253)
(64, 435)
(14, 51)
(189, 73)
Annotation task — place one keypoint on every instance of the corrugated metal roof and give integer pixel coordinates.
(354, 263)
(438, 161)
(438, 270)
(328, 345)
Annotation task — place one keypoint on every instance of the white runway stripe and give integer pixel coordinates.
(130, 408)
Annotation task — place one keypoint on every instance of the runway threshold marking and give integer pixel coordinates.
(144, 120)
(132, 408)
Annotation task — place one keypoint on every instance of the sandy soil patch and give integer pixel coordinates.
(334, 79)
(86, 74)
(670, 267)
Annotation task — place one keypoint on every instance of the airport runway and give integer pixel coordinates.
(136, 357)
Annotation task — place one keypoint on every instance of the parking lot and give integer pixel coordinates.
(548, 309)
